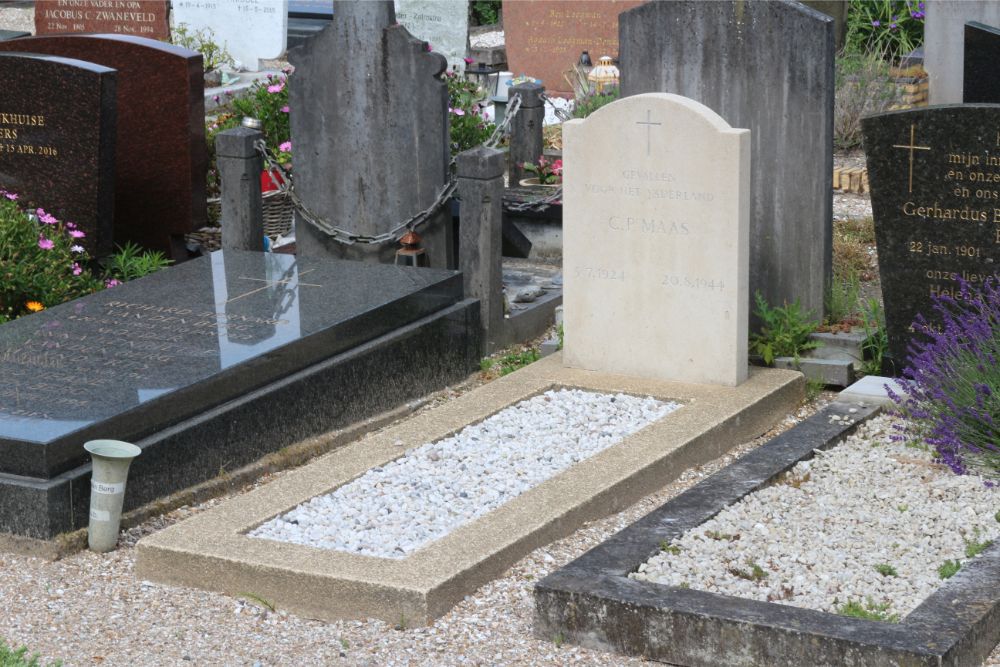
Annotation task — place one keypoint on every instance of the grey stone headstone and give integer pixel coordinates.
(768, 67)
(371, 132)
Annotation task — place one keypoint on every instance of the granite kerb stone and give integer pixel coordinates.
(592, 601)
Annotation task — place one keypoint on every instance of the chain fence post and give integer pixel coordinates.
(240, 166)
(526, 129)
(480, 187)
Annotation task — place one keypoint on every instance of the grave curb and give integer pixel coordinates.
(210, 550)
(593, 603)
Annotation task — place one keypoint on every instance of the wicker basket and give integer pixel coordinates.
(277, 221)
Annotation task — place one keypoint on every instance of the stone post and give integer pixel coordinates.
(526, 129)
(239, 177)
(480, 187)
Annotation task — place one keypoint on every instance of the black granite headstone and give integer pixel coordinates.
(57, 140)
(768, 67)
(982, 56)
(935, 187)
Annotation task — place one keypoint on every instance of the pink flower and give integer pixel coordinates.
(111, 282)
(468, 61)
(76, 233)
(44, 243)
(215, 98)
(458, 112)
(70, 225)
(77, 270)
(428, 45)
(276, 88)
(285, 109)
(47, 218)
(285, 147)
(76, 248)
(9, 195)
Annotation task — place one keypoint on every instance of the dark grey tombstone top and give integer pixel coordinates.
(134, 359)
(982, 54)
(370, 125)
(767, 67)
(57, 140)
(935, 188)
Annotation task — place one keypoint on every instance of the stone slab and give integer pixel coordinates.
(250, 30)
(212, 551)
(57, 140)
(982, 53)
(768, 67)
(871, 389)
(657, 234)
(934, 200)
(444, 24)
(544, 38)
(140, 18)
(134, 360)
(161, 157)
(593, 603)
(402, 366)
(944, 32)
(831, 372)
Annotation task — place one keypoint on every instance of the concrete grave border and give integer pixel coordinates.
(211, 550)
(592, 602)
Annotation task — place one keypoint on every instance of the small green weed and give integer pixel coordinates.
(509, 362)
(997, 517)
(949, 569)
(869, 611)
(559, 639)
(842, 299)
(672, 549)
(716, 535)
(403, 622)
(10, 657)
(784, 330)
(886, 570)
(755, 573)
(562, 335)
(876, 341)
(974, 547)
(814, 388)
(253, 597)
(344, 644)
(131, 262)
(903, 507)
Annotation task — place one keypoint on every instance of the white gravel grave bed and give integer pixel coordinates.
(393, 510)
(869, 523)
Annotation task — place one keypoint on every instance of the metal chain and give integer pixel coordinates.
(347, 237)
(561, 114)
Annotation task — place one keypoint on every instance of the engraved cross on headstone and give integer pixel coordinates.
(912, 147)
(648, 123)
(271, 283)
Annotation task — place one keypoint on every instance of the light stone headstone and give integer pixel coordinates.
(444, 24)
(768, 67)
(250, 30)
(655, 241)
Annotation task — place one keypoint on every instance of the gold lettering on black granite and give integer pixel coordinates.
(11, 126)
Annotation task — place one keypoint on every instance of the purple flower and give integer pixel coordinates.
(9, 195)
(276, 88)
(876, 23)
(112, 282)
(285, 147)
(77, 269)
(458, 112)
(44, 243)
(76, 233)
(285, 109)
(47, 218)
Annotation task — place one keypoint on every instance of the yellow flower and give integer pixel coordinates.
(34, 306)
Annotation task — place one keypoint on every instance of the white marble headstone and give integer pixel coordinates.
(444, 24)
(251, 30)
(656, 241)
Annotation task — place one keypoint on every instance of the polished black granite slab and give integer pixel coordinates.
(980, 83)
(136, 359)
(935, 189)
(593, 602)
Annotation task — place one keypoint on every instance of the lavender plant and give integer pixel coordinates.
(953, 380)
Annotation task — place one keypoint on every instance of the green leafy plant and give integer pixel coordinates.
(592, 101)
(876, 342)
(510, 362)
(784, 330)
(486, 12)
(869, 611)
(672, 549)
(814, 387)
(843, 297)
(253, 597)
(11, 657)
(42, 263)
(892, 27)
(886, 570)
(548, 172)
(467, 126)
(132, 261)
(949, 569)
(562, 336)
(202, 41)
